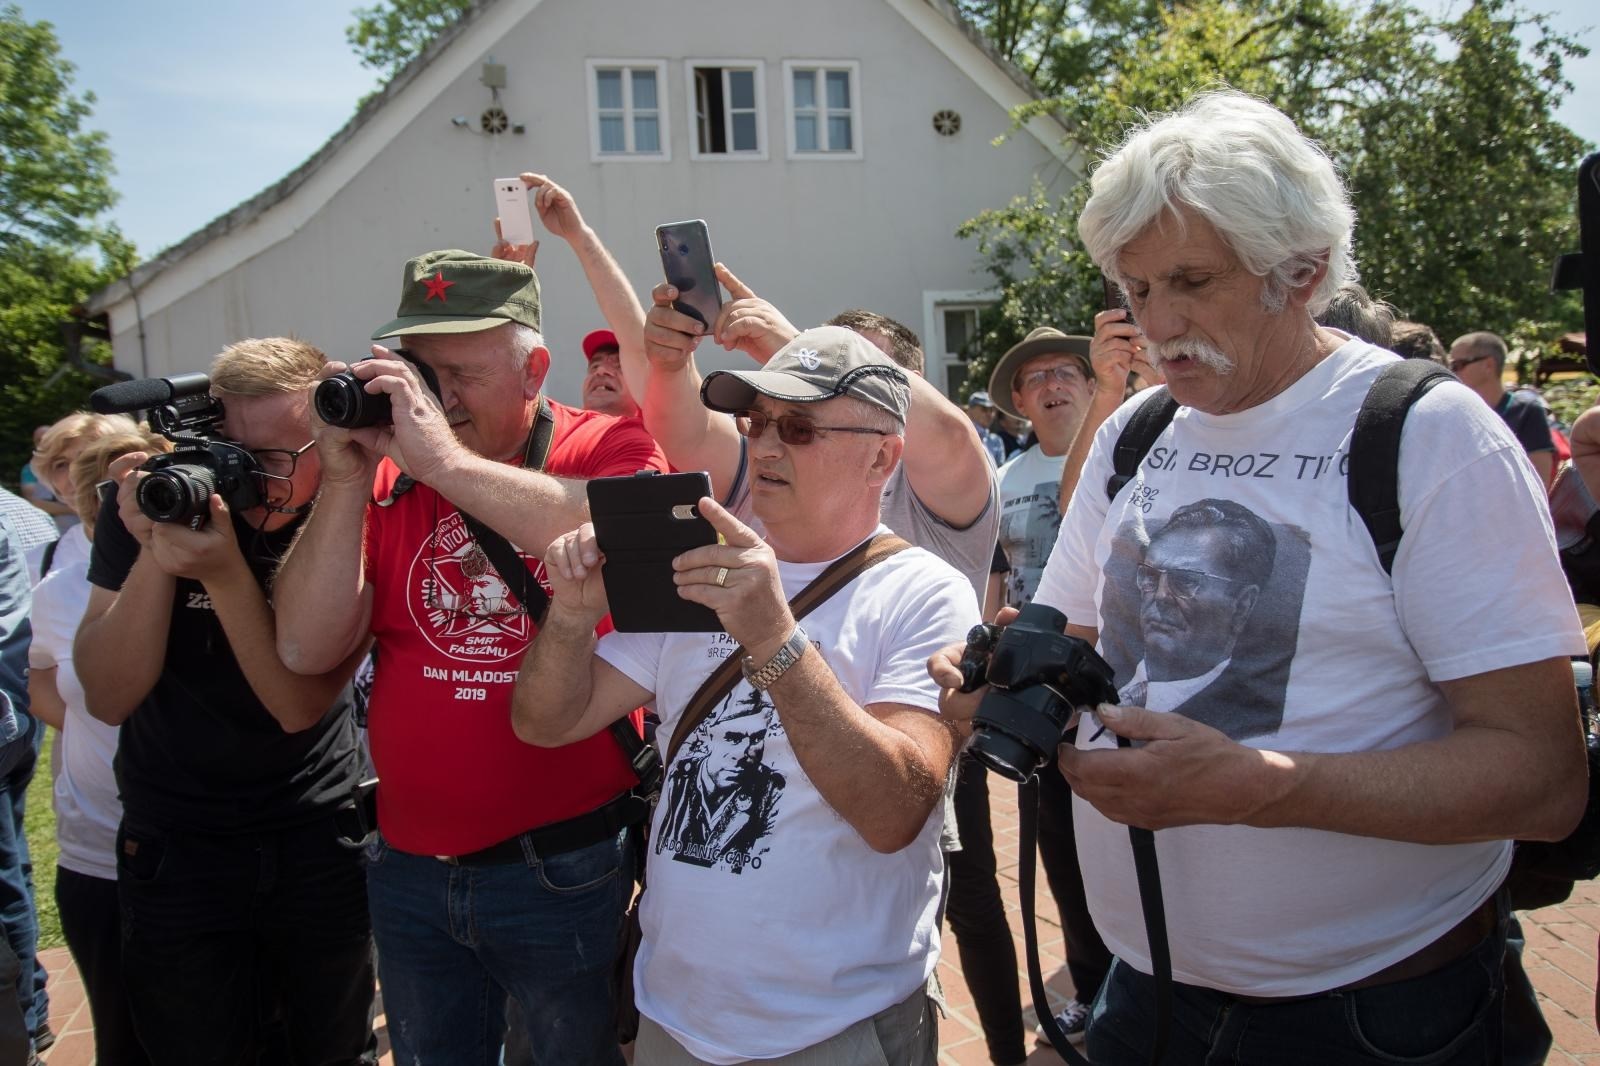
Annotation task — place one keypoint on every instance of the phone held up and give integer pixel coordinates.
(642, 523)
(511, 204)
(687, 262)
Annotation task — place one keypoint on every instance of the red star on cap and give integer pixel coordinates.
(436, 286)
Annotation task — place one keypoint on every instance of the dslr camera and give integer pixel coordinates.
(1037, 676)
(179, 484)
(343, 400)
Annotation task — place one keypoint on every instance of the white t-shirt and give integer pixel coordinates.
(769, 924)
(86, 803)
(1030, 516)
(1333, 657)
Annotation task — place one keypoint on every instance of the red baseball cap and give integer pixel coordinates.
(600, 338)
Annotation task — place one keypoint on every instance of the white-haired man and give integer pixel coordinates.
(1332, 879)
(502, 869)
(794, 866)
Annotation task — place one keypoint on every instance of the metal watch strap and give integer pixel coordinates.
(787, 655)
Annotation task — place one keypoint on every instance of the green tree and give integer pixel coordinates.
(391, 33)
(55, 182)
(1462, 180)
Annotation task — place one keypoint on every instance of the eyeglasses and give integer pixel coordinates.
(1457, 364)
(1064, 374)
(280, 462)
(1181, 584)
(793, 429)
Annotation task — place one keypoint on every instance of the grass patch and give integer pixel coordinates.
(39, 821)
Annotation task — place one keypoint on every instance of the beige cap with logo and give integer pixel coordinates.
(817, 365)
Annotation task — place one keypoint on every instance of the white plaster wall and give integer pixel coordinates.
(814, 236)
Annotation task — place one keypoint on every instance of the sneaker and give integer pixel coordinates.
(1071, 1019)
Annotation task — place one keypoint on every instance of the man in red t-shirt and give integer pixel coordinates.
(502, 868)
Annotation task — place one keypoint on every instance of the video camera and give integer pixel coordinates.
(179, 484)
(1037, 676)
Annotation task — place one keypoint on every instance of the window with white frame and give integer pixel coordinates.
(824, 108)
(725, 97)
(627, 103)
(958, 329)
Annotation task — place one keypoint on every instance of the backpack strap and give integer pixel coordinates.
(1138, 435)
(844, 570)
(1373, 478)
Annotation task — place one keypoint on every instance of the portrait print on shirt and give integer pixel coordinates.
(721, 796)
(1201, 612)
(1029, 525)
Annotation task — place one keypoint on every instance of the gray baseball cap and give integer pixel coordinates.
(817, 365)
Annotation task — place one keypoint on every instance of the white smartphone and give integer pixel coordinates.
(511, 204)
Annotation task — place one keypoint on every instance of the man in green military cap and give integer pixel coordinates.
(501, 869)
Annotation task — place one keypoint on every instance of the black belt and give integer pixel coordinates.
(602, 823)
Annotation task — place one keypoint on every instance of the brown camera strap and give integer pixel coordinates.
(844, 570)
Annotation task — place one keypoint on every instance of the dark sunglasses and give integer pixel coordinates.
(793, 429)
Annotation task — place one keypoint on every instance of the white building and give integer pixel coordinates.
(832, 146)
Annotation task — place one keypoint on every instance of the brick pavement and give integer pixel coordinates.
(1560, 959)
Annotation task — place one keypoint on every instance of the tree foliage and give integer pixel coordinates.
(391, 33)
(55, 182)
(1462, 180)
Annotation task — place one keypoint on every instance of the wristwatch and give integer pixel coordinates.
(762, 678)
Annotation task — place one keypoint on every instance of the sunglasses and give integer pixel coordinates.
(1457, 364)
(792, 429)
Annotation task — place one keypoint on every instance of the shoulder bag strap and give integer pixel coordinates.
(1373, 480)
(844, 570)
(1138, 435)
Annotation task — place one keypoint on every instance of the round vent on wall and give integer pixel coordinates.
(946, 123)
(493, 121)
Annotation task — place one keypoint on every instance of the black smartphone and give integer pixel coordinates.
(687, 262)
(1113, 296)
(642, 523)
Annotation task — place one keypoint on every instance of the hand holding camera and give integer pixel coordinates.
(208, 552)
(388, 405)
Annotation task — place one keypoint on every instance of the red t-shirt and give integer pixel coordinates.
(455, 778)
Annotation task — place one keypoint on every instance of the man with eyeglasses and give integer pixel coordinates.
(500, 869)
(1479, 360)
(245, 933)
(794, 868)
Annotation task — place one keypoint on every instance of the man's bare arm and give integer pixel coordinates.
(320, 595)
(121, 644)
(1117, 350)
(946, 464)
(692, 436)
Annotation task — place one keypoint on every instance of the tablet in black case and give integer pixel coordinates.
(642, 523)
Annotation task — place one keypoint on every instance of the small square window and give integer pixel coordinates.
(824, 109)
(725, 97)
(629, 121)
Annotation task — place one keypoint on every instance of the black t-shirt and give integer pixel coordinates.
(1527, 419)
(201, 753)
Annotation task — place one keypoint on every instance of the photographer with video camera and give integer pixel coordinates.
(240, 902)
(1333, 738)
(500, 868)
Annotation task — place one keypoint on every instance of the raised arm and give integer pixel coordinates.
(1117, 350)
(691, 436)
(561, 658)
(121, 645)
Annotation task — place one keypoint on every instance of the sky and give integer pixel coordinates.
(207, 102)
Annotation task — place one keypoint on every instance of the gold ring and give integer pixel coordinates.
(722, 576)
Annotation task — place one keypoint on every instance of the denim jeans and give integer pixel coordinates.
(1450, 1016)
(18, 919)
(246, 948)
(455, 941)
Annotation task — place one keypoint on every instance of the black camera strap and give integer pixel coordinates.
(506, 560)
(1148, 874)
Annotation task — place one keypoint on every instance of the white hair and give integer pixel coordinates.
(522, 340)
(1241, 164)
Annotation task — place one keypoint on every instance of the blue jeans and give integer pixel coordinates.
(1450, 1016)
(455, 941)
(18, 920)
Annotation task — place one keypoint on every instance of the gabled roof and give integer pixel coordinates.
(1049, 133)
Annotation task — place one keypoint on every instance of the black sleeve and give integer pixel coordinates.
(115, 549)
(1533, 430)
(1001, 564)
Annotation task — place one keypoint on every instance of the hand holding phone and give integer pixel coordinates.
(511, 204)
(641, 524)
(689, 266)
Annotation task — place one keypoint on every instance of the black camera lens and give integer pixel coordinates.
(1020, 730)
(178, 493)
(343, 401)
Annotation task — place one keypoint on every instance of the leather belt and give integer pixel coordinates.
(602, 823)
(1456, 942)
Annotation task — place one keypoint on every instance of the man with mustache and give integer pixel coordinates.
(502, 869)
(1331, 882)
